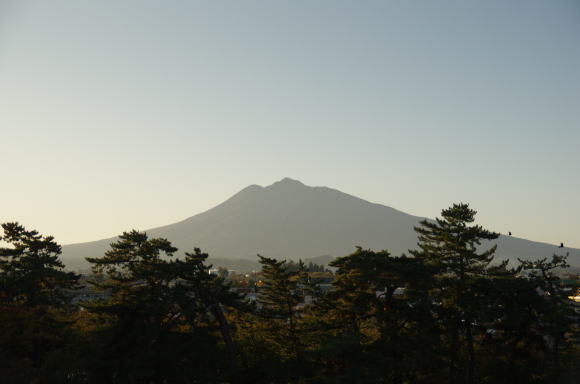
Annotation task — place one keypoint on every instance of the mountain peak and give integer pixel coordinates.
(288, 182)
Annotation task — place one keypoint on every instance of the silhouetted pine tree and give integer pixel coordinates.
(555, 316)
(449, 246)
(380, 307)
(163, 320)
(34, 293)
(278, 297)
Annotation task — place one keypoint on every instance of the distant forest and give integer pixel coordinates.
(444, 313)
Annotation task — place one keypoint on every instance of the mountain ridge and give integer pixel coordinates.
(290, 220)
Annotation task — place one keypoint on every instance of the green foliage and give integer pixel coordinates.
(382, 316)
(31, 273)
(445, 314)
(449, 247)
(280, 293)
(555, 317)
(156, 311)
(310, 267)
(34, 293)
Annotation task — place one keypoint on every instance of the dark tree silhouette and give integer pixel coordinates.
(449, 246)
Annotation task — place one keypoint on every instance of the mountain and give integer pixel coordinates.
(291, 220)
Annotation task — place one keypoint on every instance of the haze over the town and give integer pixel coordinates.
(136, 114)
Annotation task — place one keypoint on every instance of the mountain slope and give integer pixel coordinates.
(290, 220)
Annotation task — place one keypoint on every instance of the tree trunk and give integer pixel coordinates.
(556, 367)
(218, 313)
(454, 363)
(470, 351)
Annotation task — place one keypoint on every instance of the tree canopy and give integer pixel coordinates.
(445, 313)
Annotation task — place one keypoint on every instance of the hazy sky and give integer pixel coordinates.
(134, 114)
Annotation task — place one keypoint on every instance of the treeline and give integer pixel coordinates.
(445, 313)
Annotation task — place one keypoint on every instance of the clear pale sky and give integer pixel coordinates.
(134, 114)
